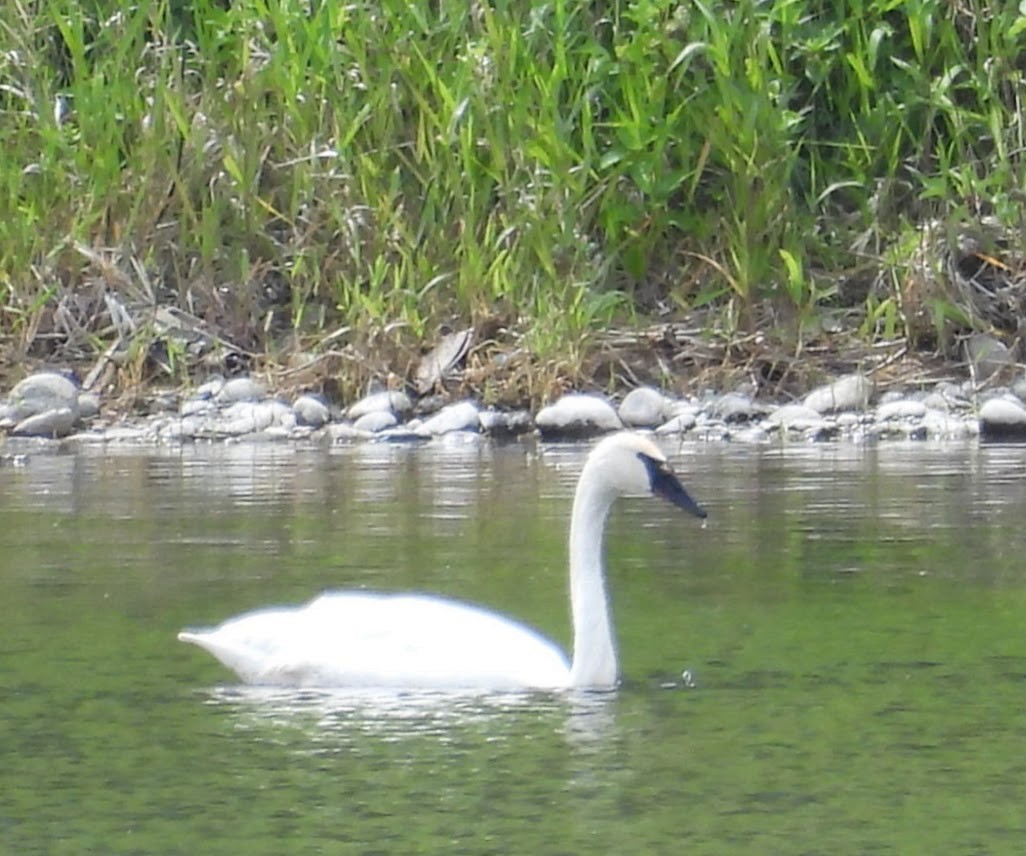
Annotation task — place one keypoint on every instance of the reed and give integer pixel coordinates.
(303, 174)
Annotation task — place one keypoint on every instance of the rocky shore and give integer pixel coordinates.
(50, 407)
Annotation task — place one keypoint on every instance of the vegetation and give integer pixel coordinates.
(308, 178)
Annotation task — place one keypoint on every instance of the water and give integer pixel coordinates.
(850, 622)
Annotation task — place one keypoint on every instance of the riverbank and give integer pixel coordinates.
(700, 199)
(52, 407)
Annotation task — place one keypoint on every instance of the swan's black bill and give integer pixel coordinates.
(664, 483)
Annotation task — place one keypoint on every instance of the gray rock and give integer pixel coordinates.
(750, 434)
(1003, 417)
(402, 434)
(210, 388)
(987, 355)
(240, 389)
(942, 425)
(390, 401)
(461, 416)
(851, 392)
(57, 422)
(375, 421)
(249, 417)
(501, 423)
(679, 424)
(644, 407)
(452, 439)
(127, 434)
(902, 408)
(197, 407)
(577, 415)
(344, 432)
(795, 417)
(311, 410)
(41, 393)
(732, 407)
(88, 405)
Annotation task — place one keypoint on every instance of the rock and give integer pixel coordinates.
(500, 423)
(453, 439)
(390, 401)
(210, 388)
(88, 405)
(987, 355)
(751, 434)
(1019, 388)
(795, 417)
(1002, 417)
(644, 407)
(343, 432)
(248, 417)
(903, 408)
(851, 392)
(57, 422)
(461, 416)
(375, 421)
(311, 410)
(240, 389)
(679, 424)
(577, 415)
(942, 425)
(41, 393)
(732, 407)
(197, 407)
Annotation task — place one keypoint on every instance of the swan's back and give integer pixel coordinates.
(384, 640)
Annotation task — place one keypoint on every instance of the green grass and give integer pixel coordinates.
(325, 176)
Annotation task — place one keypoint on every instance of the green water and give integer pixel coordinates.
(850, 619)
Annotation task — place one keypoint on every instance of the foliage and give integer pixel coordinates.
(288, 172)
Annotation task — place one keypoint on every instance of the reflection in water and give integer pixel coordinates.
(341, 717)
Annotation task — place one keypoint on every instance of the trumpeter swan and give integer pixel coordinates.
(357, 639)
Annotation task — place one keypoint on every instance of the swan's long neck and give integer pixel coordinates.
(594, 663)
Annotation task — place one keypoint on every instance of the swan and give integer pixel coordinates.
(416, 641)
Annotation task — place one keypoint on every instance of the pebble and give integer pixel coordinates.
(987, 355)
(50, 405)
(56, 422)
(679, 424)
(1003, 417)
(44, 391)
(240, 389)
(375, 421)
(732, 407)
(901, 408)
(44, 404)
(644, 407)
(461, 416)
(577, 415)
(851, 392)
(397, 403)
(796, 417)
(311, 410)
(88, 405)
(501, 423)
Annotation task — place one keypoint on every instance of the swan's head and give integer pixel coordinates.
(630, 464)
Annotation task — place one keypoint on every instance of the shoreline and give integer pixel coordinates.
(51, 406)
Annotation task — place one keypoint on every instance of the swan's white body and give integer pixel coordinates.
(356, 639)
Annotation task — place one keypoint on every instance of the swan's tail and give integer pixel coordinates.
(240, 658)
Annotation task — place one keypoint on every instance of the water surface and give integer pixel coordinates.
(850, 622)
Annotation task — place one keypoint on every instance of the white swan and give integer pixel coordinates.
(355, 639)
